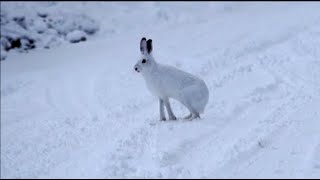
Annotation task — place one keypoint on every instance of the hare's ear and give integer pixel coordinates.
(149, 46)
(143, 45)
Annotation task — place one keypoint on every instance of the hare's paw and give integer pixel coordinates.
(193, 116)
(196, 116)
(173, 117)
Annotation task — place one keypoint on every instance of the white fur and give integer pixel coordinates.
(169, 82)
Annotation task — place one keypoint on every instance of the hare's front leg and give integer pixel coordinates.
(162, 116)
(170, 113)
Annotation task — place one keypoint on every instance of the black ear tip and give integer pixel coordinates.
(143, 39)
(149, 45)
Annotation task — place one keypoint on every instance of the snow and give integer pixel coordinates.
(81, 111)
(76, 36)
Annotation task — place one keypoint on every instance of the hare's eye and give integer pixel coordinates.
(144, 61)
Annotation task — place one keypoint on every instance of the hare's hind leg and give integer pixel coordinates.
(162, 115)
(193, 114)
(188, 117)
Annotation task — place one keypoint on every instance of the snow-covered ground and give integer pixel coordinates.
(81, 111)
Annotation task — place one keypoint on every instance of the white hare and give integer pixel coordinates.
(168, 82)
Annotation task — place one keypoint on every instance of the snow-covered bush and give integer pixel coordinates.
(42, 25)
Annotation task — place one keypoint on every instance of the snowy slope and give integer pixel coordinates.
(80, 110)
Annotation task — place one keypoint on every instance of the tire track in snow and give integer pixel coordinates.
(261, 137)
(243, 156)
